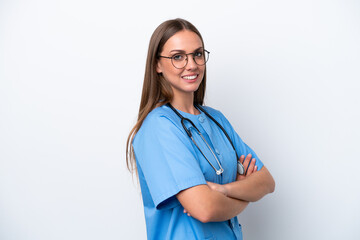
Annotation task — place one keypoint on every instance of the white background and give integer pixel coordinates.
(285, 73)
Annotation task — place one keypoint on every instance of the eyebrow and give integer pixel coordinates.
(182, 51)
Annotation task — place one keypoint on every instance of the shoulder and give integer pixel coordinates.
(220, 118)
(160, 119)
(211, 111)
(215, 114)
(161, 115)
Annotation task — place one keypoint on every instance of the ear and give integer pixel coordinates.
(158, 67)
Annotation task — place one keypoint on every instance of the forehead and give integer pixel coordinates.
(184, 40)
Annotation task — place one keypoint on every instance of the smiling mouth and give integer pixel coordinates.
(192, 77)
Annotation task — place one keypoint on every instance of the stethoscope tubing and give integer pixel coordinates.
(200, 108)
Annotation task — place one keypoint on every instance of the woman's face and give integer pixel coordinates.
(183, 81)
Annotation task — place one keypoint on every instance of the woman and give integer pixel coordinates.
(188, 169)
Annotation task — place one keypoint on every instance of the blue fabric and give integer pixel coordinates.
(168, 162)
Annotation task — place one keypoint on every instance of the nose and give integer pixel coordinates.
(191, 64)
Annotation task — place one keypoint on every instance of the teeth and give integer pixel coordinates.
(190, 77)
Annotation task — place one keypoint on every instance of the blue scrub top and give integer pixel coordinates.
(168, 162)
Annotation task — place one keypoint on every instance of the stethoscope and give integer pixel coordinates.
(240, 167)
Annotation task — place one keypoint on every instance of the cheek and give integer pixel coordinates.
(172, 73)
(202, 71)
(168, 77)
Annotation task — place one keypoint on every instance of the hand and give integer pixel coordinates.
(187, 212)
(217, 187)
(245, 162)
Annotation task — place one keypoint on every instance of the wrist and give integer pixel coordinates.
(226, 189)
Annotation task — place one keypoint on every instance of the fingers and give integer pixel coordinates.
(251, 167)
(242, 157)
(217, 187)
(186, 212)
(211, 185)
(248, 163)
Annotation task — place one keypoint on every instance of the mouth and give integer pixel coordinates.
(190, 78)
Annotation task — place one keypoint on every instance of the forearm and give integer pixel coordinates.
(208, 205)
(223, 208)
(253, 187)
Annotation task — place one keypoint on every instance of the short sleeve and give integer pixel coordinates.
(167, 159)
(240, 147)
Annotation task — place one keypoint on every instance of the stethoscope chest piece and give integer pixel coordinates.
(240, 168)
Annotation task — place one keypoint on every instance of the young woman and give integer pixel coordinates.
(186, 155)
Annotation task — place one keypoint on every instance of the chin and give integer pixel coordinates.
(193, 88)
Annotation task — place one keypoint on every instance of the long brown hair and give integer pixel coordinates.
(156, 90)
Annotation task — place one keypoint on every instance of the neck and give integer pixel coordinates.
(185, 104)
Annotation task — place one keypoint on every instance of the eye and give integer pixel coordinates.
(198, 54)
(178, 57)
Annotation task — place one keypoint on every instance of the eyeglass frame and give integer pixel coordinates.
(186, 59)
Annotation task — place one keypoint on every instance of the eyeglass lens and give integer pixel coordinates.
(180, 60)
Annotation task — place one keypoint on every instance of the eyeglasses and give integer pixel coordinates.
(180, 60)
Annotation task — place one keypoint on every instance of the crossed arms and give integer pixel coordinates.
(215, 202)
